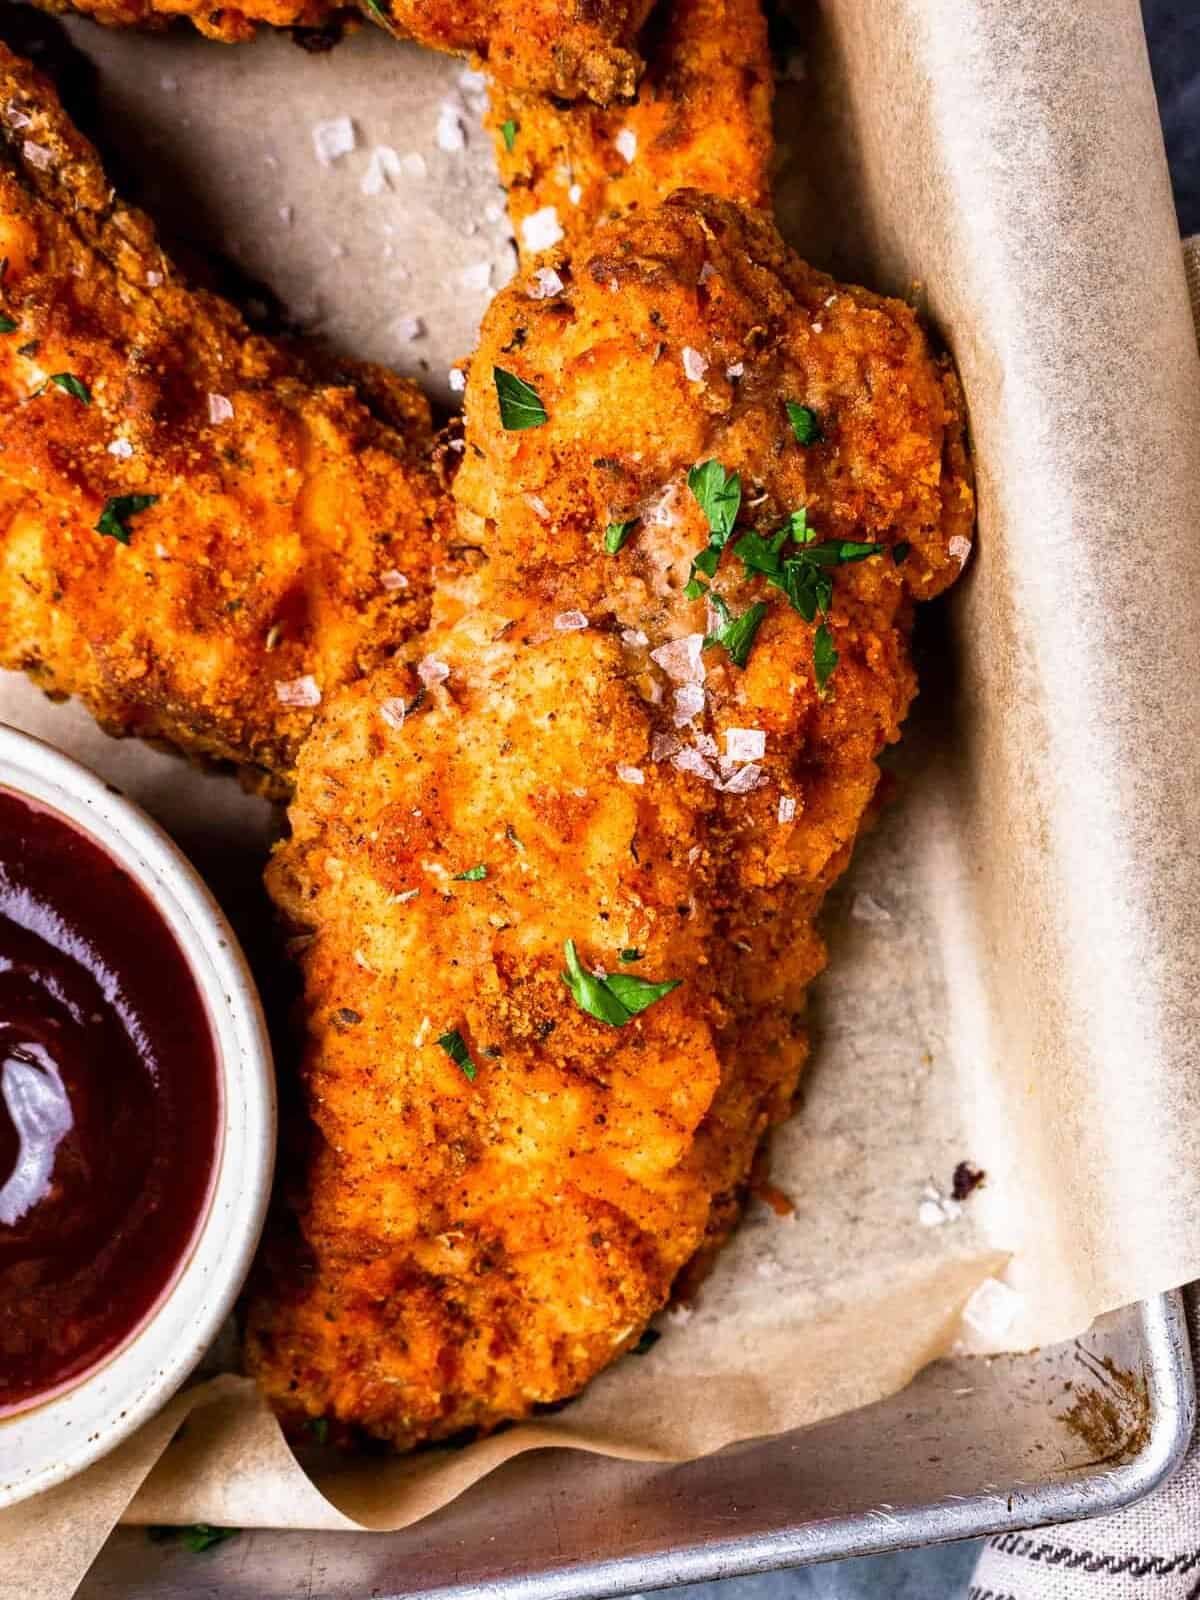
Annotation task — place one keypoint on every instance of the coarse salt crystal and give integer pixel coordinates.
(631, 774)
(663, 746)
(430, 671)
(37, 155)
(545, 283)
(707, 271)
(570, 621)
(692, 761)
(818, 327)
(960, 549)
(408, 328)
(865, 908)
(626, 143)
(477, 277)
(689, 703)
(706, 744)
(333, 138)
(16, 118)
(538, 506)
(992, 1308)
(457, 379)
(694, 364)
(736, 370)
(681, 658)
(393, 580)
(220, 408)
(154, 280)
(575, 193)
(298, 692)
(634, 639)
(413, 165)
(745, 744)
(743, 781)
(450, 135)
(540, 230)
(121, 448)
(787, 808)
(393, 712)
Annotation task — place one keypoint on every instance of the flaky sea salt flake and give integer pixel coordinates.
(544, 284)
(631, 774)
(431, 670)
(220, 409)
(37, 155)
(393, 712)
(694, 364)
(392, 580)
(298, 693)
(333, 138)
(121, 448)
(540, 230)
(570, 621)
(787, 808)
(681, 659)
(745, 744)
(689, 703)
(626, 143)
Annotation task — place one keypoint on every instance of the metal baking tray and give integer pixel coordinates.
(970, 1447)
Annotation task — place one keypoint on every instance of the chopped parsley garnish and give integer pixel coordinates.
(719, 496)
(900, 552)
(508, 132)
(694, 588)
(70, 384)
(632, 955)
(118, 510)
(615, 535)
(736, 634)
(520, 406)
(455, 1047)
(199, 1536)
(825, 657)
(319, 1428)
(472, 874)
(616, 999)
(804, 423)
(7, 325)
(647, 1342)
(376, 9)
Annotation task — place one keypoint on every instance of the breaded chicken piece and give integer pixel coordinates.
(571, 48)
(702, 120)
(199, 536)
(503, 1186)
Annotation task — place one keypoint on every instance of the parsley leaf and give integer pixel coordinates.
(616, 999)
(647, 1342)
(616, 534)
(804, 576)
(520, 406)
(804, 423)
(200, 1536)
(693, 589)
(825, 657)
(7, 325)
(72, 385)
(118, 510)
(719, 496)
(632, 955)
(472, 874)
(455, 1047)
(377, 10)
(900, 552)
(319, 1428)
(508, 132)
(736, 634)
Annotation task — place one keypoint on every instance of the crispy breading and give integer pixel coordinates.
(476, 1245)
(292, 533)
(701, 120)
(559, 47)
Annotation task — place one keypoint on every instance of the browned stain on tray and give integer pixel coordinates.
(1110, 1413)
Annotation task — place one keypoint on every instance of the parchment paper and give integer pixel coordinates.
(1012, 957)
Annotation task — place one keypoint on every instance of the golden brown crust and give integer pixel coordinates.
(291, 543)
(701, 120)
(477, 1247)
(571, 48)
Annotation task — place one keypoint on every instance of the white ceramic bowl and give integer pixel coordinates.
(42, 1446)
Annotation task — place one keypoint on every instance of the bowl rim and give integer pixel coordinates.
(75, 1426)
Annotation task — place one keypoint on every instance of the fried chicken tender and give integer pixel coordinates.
(702, 119)
(570, 48)
(502, 1188)
(199, 536)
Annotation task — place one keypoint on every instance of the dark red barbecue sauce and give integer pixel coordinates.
(109, 1104)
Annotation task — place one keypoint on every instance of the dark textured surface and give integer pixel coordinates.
(1173, 28)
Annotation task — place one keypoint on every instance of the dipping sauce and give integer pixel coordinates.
(109, 1104)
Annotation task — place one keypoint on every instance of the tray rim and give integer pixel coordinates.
(1090, 1491)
